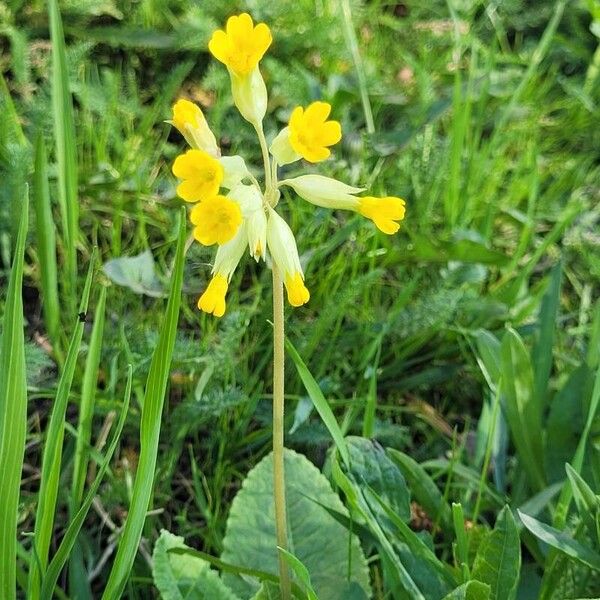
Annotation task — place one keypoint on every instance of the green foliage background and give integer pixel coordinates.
(486, 122)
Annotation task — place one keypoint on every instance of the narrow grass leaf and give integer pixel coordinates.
(561, 541)
(323, 408)
(86, 404)
(13, 413)
(66, 147)
(46, 243)
(542, 351)
(66, 546)
(151, 418)
(52, 455)
(566, 495)
(301, 572)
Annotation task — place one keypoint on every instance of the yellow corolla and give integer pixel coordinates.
(216, 219)
(201, 173)
(311, 133)
(241, 46)
(323, 191)
(191, 123)
(384, 212)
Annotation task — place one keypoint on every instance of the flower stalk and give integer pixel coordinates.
(278, 430)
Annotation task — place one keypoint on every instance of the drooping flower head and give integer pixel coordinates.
(244, 217)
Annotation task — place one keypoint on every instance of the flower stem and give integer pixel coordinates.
(278, 427)
(265, 154)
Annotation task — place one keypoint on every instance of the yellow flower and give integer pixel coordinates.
(213, 299)
(190, 121)
(310, 132)
(384, 212)
(227, 259)
(241, 46)
(284, 252)
(217, 220)
(201, 173)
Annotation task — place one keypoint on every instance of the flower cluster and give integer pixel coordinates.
(230, 208)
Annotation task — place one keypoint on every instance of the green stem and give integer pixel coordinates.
(265, 156)
(278, 428)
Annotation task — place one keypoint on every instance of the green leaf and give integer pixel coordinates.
(472, 590)
(137, 273)
(541, 356)
(53, 448)
(66, 146)
(422, 486)
(301, 573)
(371, 467)
(316, 395)
(332, 555)
(498, 560)
(46, 243)
(561, 541)
(13, 413)
(151, 420)
(522, 413)
(588, 503)
(183, 576)
(70, 538)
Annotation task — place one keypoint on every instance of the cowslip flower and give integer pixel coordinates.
(203, 170)
(385, 212)
(246, 219)
(308, 135)
(189, 119)
(240, 48)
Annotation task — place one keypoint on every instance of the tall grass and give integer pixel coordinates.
(13, 412)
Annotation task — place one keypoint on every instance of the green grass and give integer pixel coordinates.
(469, 343)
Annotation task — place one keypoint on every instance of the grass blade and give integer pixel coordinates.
(13, 414)
(52, 457)
(156, 386)
(70, 537)
(323, 408)
(542, 351)
(66, 156)
(522, 414)
(46, 243)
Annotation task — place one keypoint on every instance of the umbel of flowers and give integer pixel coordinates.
(230, 209)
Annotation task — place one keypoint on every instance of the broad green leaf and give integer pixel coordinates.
(472, 590)
(371, 467)
(391, 559)
(498, 560)
(332, 555)
(488, 349)
(13, 413)
(422, 486)
(183, 576)
(561, 541)
(316, 395)
(151, 420)
(137, 273)
(522, 414)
